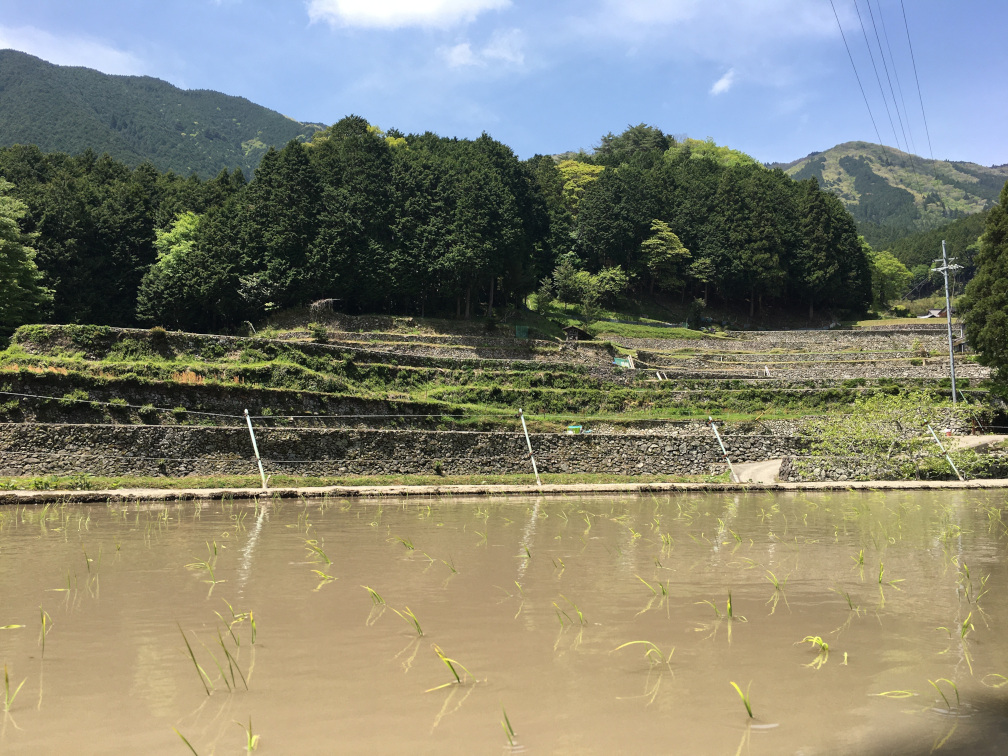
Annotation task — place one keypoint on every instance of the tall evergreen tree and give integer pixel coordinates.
(22, 296)
(985, 303)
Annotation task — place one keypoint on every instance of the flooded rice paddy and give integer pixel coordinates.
(849, 622)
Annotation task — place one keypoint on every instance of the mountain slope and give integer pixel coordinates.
(135, 118)
(892, 193)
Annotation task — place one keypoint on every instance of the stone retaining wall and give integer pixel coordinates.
(867, 340)
(803, 468)
(110, 450)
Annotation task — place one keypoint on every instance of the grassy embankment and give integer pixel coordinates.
(399, 373)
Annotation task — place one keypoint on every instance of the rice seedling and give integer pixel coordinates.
(406, 542)
(744, 697)
(778, 593)
(324, 579)
(313, 549)
(408, 615)
(232, 664)
(895, 694)
(729, 610)
(251, 741)
(652, 652)
(577, 611)
(451, 664)
(376, 598)
(46, 622)
(850, 603)
(816, 641)
(966, 583)
(207, 565)
(822, 649)
(203, 676)
(188, 744)
(8, 696)
(955, 688)
(509, 732)
(965, 627)
(881, 572)
(996, 680)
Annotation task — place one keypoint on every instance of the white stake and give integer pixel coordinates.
(944, 452)
(255, 448)
(723, 450)
(528, 441)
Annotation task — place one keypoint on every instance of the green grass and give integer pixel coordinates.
(65, 483)
(602, 328)
(886, 322)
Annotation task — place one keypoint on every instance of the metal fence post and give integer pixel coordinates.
(255, 448)
(935, 437)
(528, 441)
(724, 452)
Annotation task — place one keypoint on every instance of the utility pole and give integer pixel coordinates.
(946, 266)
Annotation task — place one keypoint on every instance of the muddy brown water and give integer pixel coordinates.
(533, 600)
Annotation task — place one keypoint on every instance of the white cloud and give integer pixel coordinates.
(71, 50)
(394, 14)
(723, 84)
(460, 55)
(504, 47)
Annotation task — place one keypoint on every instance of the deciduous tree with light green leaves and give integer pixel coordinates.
(577, 176)
(22, 296)
(664, 257)
(890, 278)
(170, 290)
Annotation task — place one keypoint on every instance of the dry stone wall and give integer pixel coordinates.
(112, 450)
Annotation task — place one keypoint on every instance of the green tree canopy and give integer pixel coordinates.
(890, 277)
(664, 256)
(985, 303)
(22, 296)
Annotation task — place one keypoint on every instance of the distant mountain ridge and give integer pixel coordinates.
(892, 193)
(135, 118)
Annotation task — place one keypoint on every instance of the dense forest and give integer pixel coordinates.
(135, 119)
(429, 225)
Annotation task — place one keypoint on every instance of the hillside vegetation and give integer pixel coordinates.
(135, 118)
(417, 224)
(892, 193)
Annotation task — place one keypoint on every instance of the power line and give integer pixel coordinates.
(878, 78)
(885, 159)
(899, 86)
(917, 79)
(906, 142)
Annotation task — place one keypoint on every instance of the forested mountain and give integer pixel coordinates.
(135, 118)
(924, 247)
(425, 224)
(892, 194)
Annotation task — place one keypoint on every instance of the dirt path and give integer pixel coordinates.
(135, 495)
(978, 443)
(758, 472)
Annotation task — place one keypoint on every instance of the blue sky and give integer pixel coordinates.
(769, 77)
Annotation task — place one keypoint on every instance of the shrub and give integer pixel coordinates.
(148, 413)
(71, 398)
(319, 333)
